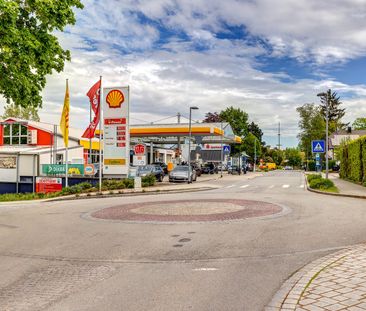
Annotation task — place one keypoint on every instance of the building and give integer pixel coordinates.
(338, 137)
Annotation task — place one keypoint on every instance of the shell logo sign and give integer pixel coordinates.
(115, 99)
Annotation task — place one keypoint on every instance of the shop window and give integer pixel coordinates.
(59, 158)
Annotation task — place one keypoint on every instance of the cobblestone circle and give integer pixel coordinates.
(189, 210)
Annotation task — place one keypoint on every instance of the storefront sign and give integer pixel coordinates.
(116, 130)
(139, 160)
(60, 169)
(48, 184)
(89, 169)
(139, 149)
(8, 162)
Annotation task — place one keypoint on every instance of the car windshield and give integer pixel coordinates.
(147, 168)
(181, 168)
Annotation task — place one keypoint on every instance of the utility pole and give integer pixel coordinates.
(327, 100)
(255, 153)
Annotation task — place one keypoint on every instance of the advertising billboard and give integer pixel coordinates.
(48, 184)
(116, 111)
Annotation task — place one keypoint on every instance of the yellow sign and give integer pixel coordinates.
(114, 161)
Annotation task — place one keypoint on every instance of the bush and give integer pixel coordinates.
(129, 183)
(85, 185)
(314, 176)
(148, 180)
(321, 184)
(113, 184)
(311, 166)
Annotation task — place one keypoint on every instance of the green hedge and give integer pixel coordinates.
(353, 160)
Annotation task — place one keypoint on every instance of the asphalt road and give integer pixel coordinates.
(53, 256)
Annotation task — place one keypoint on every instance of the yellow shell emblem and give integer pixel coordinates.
(115, 99)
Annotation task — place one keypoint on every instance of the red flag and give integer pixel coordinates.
(94, 98)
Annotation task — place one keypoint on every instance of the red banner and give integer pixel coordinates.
(94, 98)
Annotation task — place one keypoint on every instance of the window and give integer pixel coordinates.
(15, 134)
(59, 158)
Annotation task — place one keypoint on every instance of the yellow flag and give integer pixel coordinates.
(64, 123)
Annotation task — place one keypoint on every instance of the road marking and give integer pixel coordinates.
(301, 186)
(270, 187)
(285, 186)
(244, 186)
(230, 186)
(205, 269)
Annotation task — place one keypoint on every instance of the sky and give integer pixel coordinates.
(263, 56)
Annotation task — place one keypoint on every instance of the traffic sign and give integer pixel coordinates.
(140, 149)
(226, 149)
(317, 156)
(318, 146)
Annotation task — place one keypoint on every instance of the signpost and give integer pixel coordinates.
(48, 184)
(116, 131)
(226, 149)
(60, 169)
(318, 146)
(139, 159)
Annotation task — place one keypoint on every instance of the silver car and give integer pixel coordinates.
(180, 173)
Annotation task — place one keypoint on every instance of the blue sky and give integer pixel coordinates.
(266, 57)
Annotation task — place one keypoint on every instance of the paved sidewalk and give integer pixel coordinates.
(347, 187)
(334, 282)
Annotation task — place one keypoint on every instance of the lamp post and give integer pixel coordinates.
(326, 131)
(255, 153)
(189, 142)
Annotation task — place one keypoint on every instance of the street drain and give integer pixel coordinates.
(184, 240)
(177, 245)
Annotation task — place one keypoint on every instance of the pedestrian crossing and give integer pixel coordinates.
(248, 186)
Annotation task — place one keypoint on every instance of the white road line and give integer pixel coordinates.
(205, 269)
(244, 186)
(301, 186)
(271, 186)
(230, 186)
(285, 186)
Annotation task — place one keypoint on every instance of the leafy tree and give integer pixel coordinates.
(255, 130)
(25, 113)
(238, 120)
(212, 118)
(248, 144)
(29, 50)
(359, 124)
(335, 112)
(293, 156)
(276, 155)
(312, 126)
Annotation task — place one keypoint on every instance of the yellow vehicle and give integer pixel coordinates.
(271, 166)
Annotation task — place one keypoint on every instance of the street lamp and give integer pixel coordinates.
(189, 142)
(326, 132)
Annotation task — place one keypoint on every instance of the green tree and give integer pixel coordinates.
(335, 112)
(293, 156)
(238, 120)
(29, 50)
(312, 126)
(359, 124)
(256, 131)
(248, 144)
(24, 113)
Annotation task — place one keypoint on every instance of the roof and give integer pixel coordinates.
(346, 133)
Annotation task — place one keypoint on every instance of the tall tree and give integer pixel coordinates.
(255, 130)
(24, 113)
(212, 117)
(252, 146)
(335, 112)
(238, 120)
(293, 156)
(359, 124)
(29, 50)
(312, 126)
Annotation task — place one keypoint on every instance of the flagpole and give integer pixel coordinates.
(90, 139)
(67, 145)
(100, 135)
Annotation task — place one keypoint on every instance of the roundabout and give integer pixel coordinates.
(189, 211)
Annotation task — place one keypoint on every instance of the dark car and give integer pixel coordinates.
(163, 166)
(210, 168)
(234, 169)
(180, 173)
(155, 170)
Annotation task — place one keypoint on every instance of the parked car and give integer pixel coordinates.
(163, 166)
(181, 173)
(210, 168)
(234, 169)
(288, 168)
(155, 170)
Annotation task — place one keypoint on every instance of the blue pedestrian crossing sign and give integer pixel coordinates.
(226, 149)
(318, 146)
